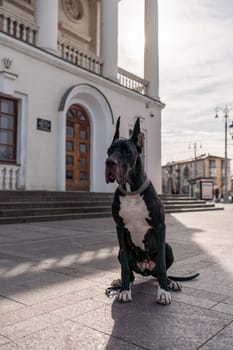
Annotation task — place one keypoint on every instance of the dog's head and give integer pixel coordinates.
(123, 155)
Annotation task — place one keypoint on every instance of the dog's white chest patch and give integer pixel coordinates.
(134, 213)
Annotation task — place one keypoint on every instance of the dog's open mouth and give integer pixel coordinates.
(110, 175)
(110, 178)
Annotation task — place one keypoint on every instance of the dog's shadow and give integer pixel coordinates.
(139, 323)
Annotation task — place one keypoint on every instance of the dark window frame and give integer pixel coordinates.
(12, 145)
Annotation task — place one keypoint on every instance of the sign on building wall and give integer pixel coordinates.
(206, 189)
(43, 125)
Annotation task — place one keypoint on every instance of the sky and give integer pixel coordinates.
(195, 70)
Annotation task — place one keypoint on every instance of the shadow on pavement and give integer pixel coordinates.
(42, 261)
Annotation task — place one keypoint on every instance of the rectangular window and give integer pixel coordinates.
(212, 167)
(8, 129)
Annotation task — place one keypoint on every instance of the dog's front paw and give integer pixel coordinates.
(163, 297)
(125, 296)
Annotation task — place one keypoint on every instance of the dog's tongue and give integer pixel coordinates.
(109, 177)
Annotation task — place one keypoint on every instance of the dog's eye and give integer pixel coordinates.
(109, 151)
(129, 154)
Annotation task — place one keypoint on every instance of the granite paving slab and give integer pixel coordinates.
(33, 288)
(152, 326)
(69, 336)
(222, 341)
(53, 277)
(21, 329)
(7, 305)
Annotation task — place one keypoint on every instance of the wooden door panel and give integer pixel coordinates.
(77, 149)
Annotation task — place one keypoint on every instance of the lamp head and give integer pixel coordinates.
(231, 129)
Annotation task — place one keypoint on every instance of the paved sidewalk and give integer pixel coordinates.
(53, 276)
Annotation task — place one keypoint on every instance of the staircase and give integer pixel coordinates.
(35, 206)
(177, 203)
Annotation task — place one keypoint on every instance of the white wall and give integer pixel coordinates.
(43, 79)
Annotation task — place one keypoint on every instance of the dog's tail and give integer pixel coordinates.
(183, 279)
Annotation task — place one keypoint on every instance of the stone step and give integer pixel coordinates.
(55, 204)
(188, 210)
(51, 211)
(38, 218)
(187, 206)
(31, 206)
(35, 196)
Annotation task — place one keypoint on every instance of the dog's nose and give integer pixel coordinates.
(110, 162)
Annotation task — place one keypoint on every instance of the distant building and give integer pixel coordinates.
(183, 177)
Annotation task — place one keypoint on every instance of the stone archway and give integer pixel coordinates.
(101, 120)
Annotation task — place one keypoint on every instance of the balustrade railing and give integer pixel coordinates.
(17, 27)
(132, 81)
(8, 177)
(26, 31)
(76, 55)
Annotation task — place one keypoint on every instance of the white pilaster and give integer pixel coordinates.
(46, 16)
(109, 37)
(151, 54)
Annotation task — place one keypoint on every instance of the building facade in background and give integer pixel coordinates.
(61, 92)
(184, 177)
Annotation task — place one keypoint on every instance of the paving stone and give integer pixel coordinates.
(149, 325)
(222, 341)
(34, 287)
(191, 300)
(7, 305)
(221, 278)
(202, 294)
(21, 329)
(27, 312)
(69, 336)
(3, 340)
(74, 310)
(222, 307)
(68, 265)
(229, 300)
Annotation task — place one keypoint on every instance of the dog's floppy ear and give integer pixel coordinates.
(137, 136)
(117, 133)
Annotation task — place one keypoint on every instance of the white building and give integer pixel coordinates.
(61, 92)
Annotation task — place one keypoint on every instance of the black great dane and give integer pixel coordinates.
(140, 223)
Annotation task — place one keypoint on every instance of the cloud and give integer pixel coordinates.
(196, 73)
(196, 69)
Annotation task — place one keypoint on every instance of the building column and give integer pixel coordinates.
(151, 53)
(46, 16)
(109, 38)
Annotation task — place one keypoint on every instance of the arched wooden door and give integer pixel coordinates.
(77, 149)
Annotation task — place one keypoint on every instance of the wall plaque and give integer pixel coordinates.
(43, 125)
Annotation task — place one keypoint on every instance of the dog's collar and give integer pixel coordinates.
(134, 193)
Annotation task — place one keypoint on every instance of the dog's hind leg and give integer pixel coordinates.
(163, 294)
(172, 285)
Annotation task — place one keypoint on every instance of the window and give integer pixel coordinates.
(8, 129)
(212, 167)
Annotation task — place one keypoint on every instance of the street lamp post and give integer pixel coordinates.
(225, 112)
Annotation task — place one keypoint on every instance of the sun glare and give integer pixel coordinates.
(131, 35)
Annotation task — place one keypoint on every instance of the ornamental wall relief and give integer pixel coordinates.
(78, 22)
(73, 9)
